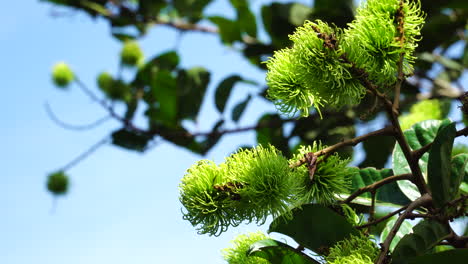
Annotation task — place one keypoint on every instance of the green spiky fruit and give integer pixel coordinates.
(331, 177)
(209, 208)
(250, 185)
(131, 53)
(373, 41)
(57, 183)
(325, 65)
(311, 74)
(237, 253)
(357, 249)
(105, 81)
(62, 75)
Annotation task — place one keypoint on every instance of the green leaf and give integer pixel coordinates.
(419, 135)
(163, 89)
(167, 60)
(150, 7)
(426, 234)
(239, 109)
(439, 166)
(458, 173)
(314, 226)
(245, 17)
(389, 193)
(123, 37)
(280, 20)
(193, 9)
(130, 139)
(278, 253)
(223, 91)
(228, 29)
(449, 256)
(405, 229)
(191, 88)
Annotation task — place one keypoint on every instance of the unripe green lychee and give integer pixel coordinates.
(330, 178)
(250, 185)
(57, 183)
(105, 81)
(357, 249)
(62, 75)
(237, 254)
(131, 53)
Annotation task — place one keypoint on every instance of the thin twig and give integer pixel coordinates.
(417, 154)
(374, 186)
(385, 246)
(386, 131)
(68, 126)
(400, 18)
(86, 153)
(377, 221)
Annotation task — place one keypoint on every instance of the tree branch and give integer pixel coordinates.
(400, 18)
(417, 154)
(374, 186)
(85, 154)
(386, 131)
(65, 125)
(375, 222)
(426, 198)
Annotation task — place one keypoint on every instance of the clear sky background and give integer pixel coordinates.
(123, 206)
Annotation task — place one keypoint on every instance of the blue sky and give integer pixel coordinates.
(123, 206)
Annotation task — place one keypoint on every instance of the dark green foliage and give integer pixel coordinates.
(327, 226)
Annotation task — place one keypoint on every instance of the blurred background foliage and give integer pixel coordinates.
(168, 97)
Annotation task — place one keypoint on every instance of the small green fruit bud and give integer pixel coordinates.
(131, 53)
(57, 183)
(105, 81)
(62, 75)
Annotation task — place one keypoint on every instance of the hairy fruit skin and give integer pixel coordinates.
(131, 53)
(357, 249)
(237, 254)
(250, 185)
(325, 64)
(331, 177)
(62, 75)
(57, 183)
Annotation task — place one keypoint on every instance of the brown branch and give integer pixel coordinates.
(385, 246)
(417, 154)
(386, 131)
(418, 178)
(107, 106)
(399, 17)
(374, 186)
(65, 125)
(85, 154)
(375, 222)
